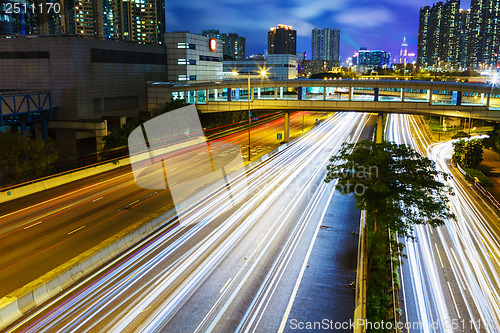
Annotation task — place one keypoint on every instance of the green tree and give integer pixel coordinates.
(22, 158)
(493, 140)
(468, 153)
(459, 135)
(395, 185)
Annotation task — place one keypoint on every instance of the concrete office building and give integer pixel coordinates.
(282, 40)
(325, 44)
(193, 58)
(309, 67)
(91, 82)
(233, 45)
(371, 59)
(277, 66)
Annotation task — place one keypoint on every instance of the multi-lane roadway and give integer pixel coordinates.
(234, 265)
(42, 231)
(450, 278)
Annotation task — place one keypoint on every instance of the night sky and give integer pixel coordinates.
(374, 24)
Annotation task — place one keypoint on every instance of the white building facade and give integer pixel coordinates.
(277, 66)
(193, 58)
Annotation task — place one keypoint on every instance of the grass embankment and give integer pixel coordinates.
(379, 295)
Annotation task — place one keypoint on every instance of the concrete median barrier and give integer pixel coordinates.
(40, 295)
(9, 312)
(61, 179)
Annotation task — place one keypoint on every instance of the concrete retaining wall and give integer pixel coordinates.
(57, 180)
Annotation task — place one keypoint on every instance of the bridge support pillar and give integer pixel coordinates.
(402, 94)
(429, 96)
(45, 130)
(275, 93)
(375, 94)
(286, 132)
(258, 93)
(379, 136)
(351, 93)
(488, 100)
(324, 93)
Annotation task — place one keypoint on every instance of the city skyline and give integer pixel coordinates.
(382, 26)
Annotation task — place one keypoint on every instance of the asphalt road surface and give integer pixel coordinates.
(42, 231)
(235, 265)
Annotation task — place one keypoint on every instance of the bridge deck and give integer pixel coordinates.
(478, 101)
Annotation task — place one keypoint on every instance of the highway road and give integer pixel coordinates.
(42, 231)
(235, 266)
(450, 278)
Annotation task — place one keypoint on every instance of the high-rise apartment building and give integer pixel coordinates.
(234, 45)
(450, 33)
(325, 44)
(282, 40)
(141, 21)
(463, 36)
(424, 39)
(438, 34)
(12, 23)
(484, 32)
(449, 36)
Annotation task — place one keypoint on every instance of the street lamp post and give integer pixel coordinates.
(249, 118)
(250, 97)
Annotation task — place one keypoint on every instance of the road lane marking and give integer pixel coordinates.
(453, 297)
(97, 199)
(439, 255)
(145, 309)
(32, 225)
(284, 320)
(69, 233)
(130, 204)
(62, 196)
(225, 285)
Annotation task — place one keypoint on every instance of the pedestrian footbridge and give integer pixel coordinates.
(464, 100)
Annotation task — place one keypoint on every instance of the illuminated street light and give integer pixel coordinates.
(250, 95)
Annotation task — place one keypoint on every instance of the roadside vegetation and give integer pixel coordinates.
(469, 154)
(400, 191)
(23, 159)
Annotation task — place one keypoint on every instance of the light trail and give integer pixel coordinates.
(102, 203)
(144, 288)
(470, 249)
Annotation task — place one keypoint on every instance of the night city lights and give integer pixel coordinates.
(266, 166)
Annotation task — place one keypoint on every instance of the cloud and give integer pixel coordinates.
(308, 9)
(365, 17)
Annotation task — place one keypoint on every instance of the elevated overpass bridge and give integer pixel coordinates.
(463, 100)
